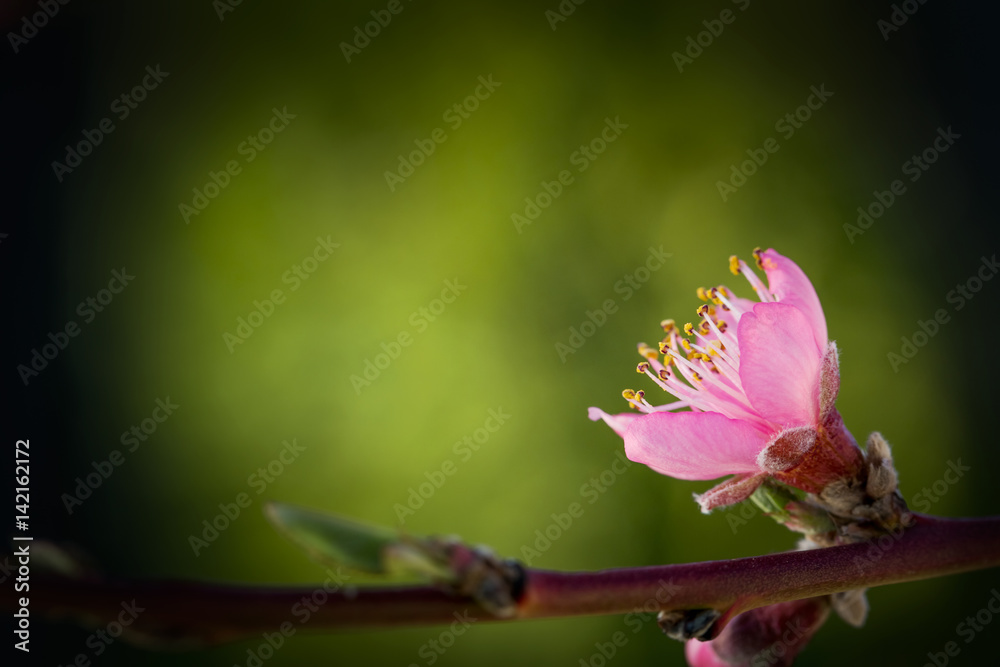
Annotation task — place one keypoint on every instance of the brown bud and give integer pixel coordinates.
(852, 606)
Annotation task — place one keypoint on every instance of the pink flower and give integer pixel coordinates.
(758, 380)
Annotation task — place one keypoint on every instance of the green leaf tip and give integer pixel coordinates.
(332, 538)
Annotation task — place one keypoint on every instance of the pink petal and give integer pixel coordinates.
(733, 490)
(694, 445)
(701, 654)
(780, 364)
(618, 423)
(790, 285)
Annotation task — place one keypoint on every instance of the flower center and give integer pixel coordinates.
(701, 364)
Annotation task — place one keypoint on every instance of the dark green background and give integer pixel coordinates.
(495, 346)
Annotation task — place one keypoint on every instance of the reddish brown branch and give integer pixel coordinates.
(204, 613)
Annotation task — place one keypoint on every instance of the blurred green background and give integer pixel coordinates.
(494, 347)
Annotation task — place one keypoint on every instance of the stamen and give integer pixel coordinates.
(633, 399)
(728, 305)
(702, 294)
(763, 293)
(647, 351)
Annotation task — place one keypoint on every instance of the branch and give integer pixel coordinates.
(189, 614)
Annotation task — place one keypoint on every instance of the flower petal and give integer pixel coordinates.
(789, 284)
(733, 490)
(701, 654)
(780, 364)
(618, 423)
(694, 445)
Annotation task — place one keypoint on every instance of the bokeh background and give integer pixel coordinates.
(495, 346)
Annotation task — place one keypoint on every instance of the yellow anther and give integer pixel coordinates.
(722, 325)
(668, 325)
(702, 294)
(664, 374)
(642, 367)
(689, 329)
(664, 347)
(734, 265)
(758, 255)
(696, 376)
(647, 351)
(628, 395)
(703, 310)
(704, 329)
(686, 344)
(640, 395)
